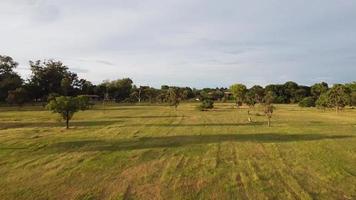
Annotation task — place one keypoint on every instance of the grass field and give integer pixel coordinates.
(155, 152)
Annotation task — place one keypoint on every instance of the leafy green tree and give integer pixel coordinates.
(254, 95)
(289, 89)
(323, 101)
(51, 77)
(268, 108)
(307, 102)
(353, 99)
(319, 89)
(352, 88)
(119, 89)
(238, 91)
(9, 80)
(18, 97)
(66, 106)
(174, 96)
(338, 97)
(206, 104)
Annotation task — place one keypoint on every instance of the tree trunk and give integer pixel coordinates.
(269, 122)
(67, 121)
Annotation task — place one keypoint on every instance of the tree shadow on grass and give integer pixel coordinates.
(195, 125)
(10, 125)
(182, 140)
(146, 117)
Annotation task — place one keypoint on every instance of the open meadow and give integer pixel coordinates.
(155, 152)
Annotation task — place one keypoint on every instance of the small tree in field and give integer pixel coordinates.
(239, 91)
(67, 106)
(174, 97)
(268, 108)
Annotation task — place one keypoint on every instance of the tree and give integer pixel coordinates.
(353, 99)
(322, 101)
(307, 102)
(254, 95)
(290, 89)
(9, 80)
(119, 89)
(51, 77)
(238, 91)
(66, 106)
(206, 104)
(338, 97)
(18, 96)
(352, 88)
(268, 108)
(7, 64)
(174, 96)
(319, 89)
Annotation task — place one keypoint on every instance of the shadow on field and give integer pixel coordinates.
(183, 140)
(9, 125)
(195, 125)
(145, 117)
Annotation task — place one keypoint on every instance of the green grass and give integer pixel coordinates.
(155, 152)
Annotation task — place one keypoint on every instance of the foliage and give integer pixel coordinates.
(307, 102)
(254, 95)
(174, 96)
(322, 101)
(206, 104)
(66, 106)
(51, 77)
(17, 97)
(319, 89)
(338, 96)
(119, 89)
(268, 110)
(9, 80)
(353, 99)
(238, 91)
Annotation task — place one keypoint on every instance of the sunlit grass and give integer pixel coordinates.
(155, 152)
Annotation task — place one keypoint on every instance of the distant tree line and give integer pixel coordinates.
(51, 79)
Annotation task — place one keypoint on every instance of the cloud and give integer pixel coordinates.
(202, 43)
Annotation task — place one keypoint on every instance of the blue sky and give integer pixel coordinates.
(199, 43)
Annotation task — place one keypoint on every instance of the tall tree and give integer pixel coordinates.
(338, 96)
(119, 89)
(255, 95)
(9, 79)
(318, 89)
(51, 77)
(174, 96)
(268, 107)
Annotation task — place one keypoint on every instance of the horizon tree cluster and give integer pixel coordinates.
(52, 78)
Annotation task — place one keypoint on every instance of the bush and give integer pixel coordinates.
(206, 104)
(307, 102)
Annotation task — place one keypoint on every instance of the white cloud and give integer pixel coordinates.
(198, 43)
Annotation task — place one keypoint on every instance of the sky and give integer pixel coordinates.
(197, 43)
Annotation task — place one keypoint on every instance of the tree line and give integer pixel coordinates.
(50, 79)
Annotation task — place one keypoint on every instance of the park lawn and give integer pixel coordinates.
(155, 152)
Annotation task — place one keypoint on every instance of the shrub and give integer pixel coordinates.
(206, 104)
(307, 102)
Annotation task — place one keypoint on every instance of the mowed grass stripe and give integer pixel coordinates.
(155, 152)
